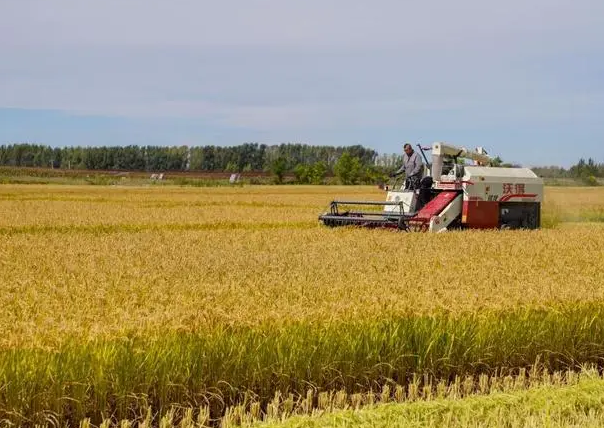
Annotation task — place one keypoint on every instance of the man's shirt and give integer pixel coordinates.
(412, 165)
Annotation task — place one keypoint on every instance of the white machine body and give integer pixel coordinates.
(453, 194)
(487, 197)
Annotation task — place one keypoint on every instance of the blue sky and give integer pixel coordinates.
(525, 79)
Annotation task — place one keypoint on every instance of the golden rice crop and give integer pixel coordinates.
(36, 205)
(96, 283)
(176, 295)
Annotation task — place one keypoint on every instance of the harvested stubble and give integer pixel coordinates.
(555, 403)
(172, 301)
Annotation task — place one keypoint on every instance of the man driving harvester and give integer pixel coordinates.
(413, 167)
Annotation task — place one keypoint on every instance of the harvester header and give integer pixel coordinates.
(451, 194)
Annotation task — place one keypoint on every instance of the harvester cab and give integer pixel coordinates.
(452, 194)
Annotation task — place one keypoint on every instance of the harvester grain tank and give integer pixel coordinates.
(451, 195)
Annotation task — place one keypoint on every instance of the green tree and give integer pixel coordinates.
(303, 173)
(231, 167)
(373, 174)
(279, 168)
(590, 180)
(348, 169)
(496, 161)
(318, 172)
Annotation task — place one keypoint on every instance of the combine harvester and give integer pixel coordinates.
(452, 195)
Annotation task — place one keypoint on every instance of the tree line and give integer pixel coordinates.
(242, 158)
(587, 171)
(309, 164)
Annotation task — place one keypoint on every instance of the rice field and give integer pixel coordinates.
(123, 302)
